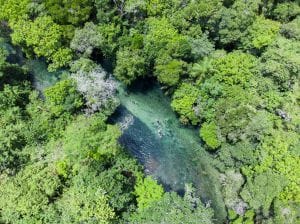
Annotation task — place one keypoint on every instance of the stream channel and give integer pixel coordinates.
(170, 152)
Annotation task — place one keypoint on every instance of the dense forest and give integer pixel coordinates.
(230, 67)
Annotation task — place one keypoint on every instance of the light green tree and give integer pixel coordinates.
(260, 34)
(148, 191)
(184, 103)
(209, 133)
(44, 37)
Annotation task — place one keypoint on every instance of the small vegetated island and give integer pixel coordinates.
(87, 131)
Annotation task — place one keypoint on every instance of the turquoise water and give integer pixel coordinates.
(40, 76)
(169, 151)
(156, 137)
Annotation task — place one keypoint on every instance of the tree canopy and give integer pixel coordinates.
(230, 69)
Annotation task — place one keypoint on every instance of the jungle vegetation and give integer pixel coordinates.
(231, 68)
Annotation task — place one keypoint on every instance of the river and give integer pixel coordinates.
(152, 133)
(169, 151)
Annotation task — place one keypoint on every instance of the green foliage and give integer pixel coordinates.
(42, 125)
(291, 30)
(232, 181)
(234, 21)
(201, 68)
(209, 133)
(57, 166)
(285, 212)
(147, 192)
(69, 12)
(222, 97)
(60, 59)
(203, 10)
(232, 214)
(179, 47)
(234, 113)
(173, 209)
(105, 11)
(278, 156)
(260, 34)
(286, 11)
(3, 56)
(28, 197)
(44, 37)
(275, 176)
(281, 62)
(237, 156)
(91, 139)
(12, 74)
(109, 41)
(119, 182)
(81, 177)
(156, 7)
(131, 64)
(169, 72)
(160, 31)
(89, 156)
(162, 36)
(247, 218)
(235, 68)
(25, 119)
(13, 9)
(134, 40)
(83, 64)
(184, 15)
(135, 8)
(184, 100)
(13, 124)
(85, 202)
(260, 191)
(42, 34)
(63, 97)
(201, 47)
(86, 39)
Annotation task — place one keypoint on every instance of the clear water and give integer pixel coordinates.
(42, 78)
(169, 151)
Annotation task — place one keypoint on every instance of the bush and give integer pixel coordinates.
(130, 65)
(209, 133)
(63, 97)
(184, 101)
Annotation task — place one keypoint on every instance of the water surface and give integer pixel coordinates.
(169, 151)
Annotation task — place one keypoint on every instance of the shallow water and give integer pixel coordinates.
(169, 151)
(41, 77)
(156, 137)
